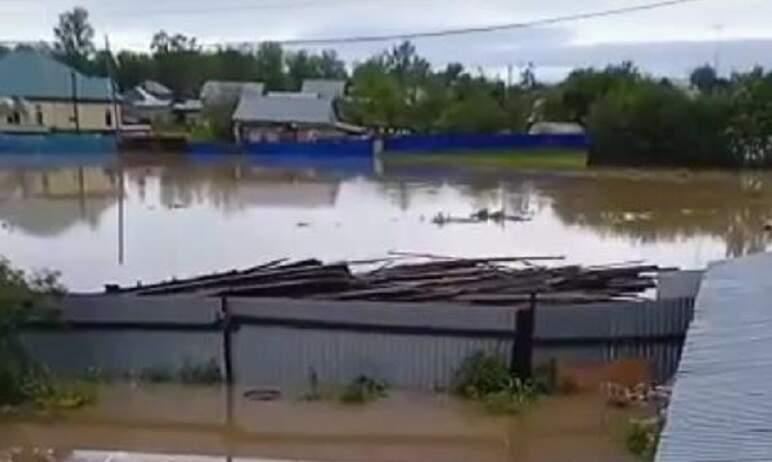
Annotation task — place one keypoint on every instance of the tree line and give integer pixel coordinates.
(631, 117)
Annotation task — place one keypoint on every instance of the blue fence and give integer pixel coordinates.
(57, 143)
(341, 147)
(451, 142)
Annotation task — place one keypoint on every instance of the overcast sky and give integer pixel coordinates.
(668, 41)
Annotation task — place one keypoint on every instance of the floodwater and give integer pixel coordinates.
(125, 219)
(176, 423)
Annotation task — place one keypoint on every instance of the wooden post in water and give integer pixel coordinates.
(522, 356)
(227, 329)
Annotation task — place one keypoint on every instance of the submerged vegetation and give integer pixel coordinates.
(191, 373)
(363, 390)
(642, 437)
(487, 379)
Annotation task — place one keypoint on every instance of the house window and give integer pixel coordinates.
(14, 119)
(39, 115)
(108, 118)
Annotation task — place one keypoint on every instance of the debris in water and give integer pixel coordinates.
(481, 216)
(263, 394)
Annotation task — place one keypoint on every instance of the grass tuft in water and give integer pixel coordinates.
(487, 379)
(642, 437)
(363, 390)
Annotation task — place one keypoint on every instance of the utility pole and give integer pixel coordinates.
(509, 78)
(719, 29)
(111, 76)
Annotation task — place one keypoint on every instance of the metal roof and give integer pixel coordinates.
(722, 401)
(29, 74)
(288, 108)
(325, 88)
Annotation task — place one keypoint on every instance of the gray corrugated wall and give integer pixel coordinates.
(285, 356)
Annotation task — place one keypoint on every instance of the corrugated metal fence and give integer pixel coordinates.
(282, 342)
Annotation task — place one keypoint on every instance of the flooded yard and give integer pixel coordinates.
(124, 219)
(167, 422)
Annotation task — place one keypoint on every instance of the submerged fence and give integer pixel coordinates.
(282, 342)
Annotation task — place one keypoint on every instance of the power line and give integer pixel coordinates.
(483, 29)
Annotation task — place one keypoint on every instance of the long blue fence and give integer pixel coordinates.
(57, 143)
(459, 142)
(332, 148)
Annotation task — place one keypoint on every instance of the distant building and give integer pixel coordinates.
(152, 102)
(221, 92)
(288, 117)
(38, 93)
(333, 89)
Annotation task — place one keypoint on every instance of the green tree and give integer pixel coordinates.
(704, 78)
(179, 63)
(74, 38)
(270, 66)
(476, 112)
(134, 68)
(331, 66)
(377, 99)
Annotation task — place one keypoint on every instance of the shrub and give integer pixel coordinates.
(643, 436)
(23, 298)
(486, 378)
(363, 390)
(206, 373)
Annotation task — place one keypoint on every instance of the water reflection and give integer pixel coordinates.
(48, 202)
(176, 215)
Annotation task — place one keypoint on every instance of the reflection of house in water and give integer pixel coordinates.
(235, 186)
(48, 202)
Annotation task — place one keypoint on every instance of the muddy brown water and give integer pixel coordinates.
(177, 423)
(124, 219)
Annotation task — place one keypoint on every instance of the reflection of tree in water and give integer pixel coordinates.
(515, 197)
(656, 207)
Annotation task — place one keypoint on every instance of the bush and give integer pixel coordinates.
(648, 123)
(363, 390)
(481, 375)
(206, 373)
(643, 436)
(23, 299)
(486, 378)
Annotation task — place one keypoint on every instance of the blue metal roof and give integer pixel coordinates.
(29, 74)
(721, 408)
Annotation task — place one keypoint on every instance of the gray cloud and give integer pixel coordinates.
(667, 41)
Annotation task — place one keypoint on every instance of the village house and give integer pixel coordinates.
(151, 102)
(40, 94)
(288, 117)
(304, 116)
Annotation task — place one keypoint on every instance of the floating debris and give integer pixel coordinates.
(481, 216)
